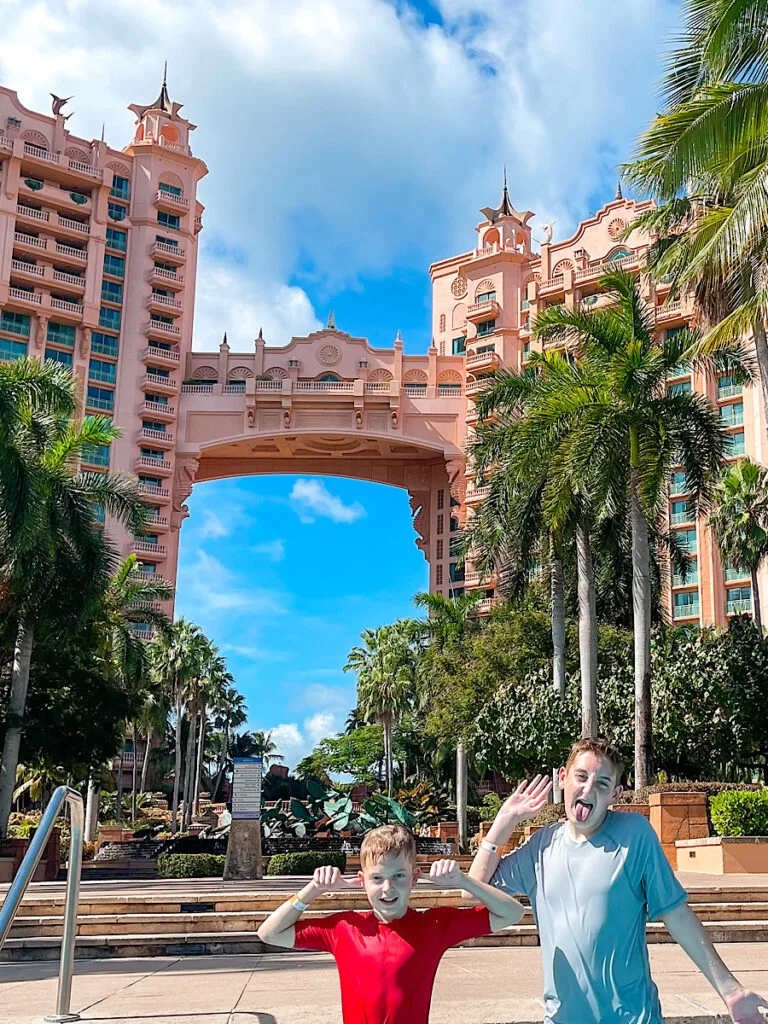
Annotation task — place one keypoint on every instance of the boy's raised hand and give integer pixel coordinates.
(446, 873)
(330, 879)
(527, 800)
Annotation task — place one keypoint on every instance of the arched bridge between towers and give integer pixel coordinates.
(329, 404)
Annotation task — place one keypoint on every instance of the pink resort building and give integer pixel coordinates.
(98, 256)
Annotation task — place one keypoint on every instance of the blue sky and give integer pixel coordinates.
(349, 144)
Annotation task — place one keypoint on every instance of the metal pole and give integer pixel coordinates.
(61, 795)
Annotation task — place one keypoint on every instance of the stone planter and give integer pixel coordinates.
(678, 817)
(724, 855)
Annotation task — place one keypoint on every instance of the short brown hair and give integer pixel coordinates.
(385, 840)
(601, 746)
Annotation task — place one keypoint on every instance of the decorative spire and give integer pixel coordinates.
(224, 342)
(505, 207)
(331, 325)
(619, 194)
(399, 335)
(163, 101)
(261, 334)
(103, 128)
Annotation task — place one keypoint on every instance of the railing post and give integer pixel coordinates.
(61, 795)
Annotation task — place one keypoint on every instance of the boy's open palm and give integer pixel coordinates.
(446, 873)
(747, 1007)
(527, 800)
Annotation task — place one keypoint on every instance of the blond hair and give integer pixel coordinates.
(602, 747)
(385, 840)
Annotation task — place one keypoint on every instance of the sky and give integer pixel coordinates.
(349, 143)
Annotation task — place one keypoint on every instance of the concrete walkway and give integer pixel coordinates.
(474, 986)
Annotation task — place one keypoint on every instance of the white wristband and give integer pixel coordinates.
(300, 905)
(489, 846)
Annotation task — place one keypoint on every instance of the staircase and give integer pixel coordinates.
(210, 917)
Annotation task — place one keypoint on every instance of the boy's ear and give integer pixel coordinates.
(561, 777)
(361, 877)
(617, 793)
(416, 874)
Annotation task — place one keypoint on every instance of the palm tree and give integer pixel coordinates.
(54, 559)
(449, 619)
(739, 520)
(264, 747)
(704, 159)
(174, 655)
(385, 666)
(229, 713)
(622, 432)
(214, 684)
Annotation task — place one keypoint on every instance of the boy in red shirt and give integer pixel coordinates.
(388, 957)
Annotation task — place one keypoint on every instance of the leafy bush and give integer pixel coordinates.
(304, 863)
(190, 865)
(740, 813)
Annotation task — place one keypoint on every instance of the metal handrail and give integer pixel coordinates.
(61, 795)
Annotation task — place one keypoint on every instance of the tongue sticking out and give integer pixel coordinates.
(582, 811)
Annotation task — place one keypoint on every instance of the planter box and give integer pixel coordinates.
(678, 817)
(724, 855)
(644, 809)
(13, 852)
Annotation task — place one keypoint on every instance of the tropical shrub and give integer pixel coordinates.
(740, 813)
(304, 863)
(190, 865)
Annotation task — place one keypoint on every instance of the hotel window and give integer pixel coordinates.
(440, 523)
(96, 455)
(172, 190)
(686, 540)
(152, 453)
(686, 604)
(459, 346)
(456, 573)
(727, 387)
(116, 212)
(486, 327)
(682, 387)
(109, 318)
(156, 399)
(168, 220)
(102, 371)
(738, 600)
(677, 483)
(439, 576)
(731, 573)
(735, 444)
(166, 241)
(159, 428)
(114, 265)
(104, 344)
(60, 334)
(156, 371)
(486, 297)
(100, 398)
(120, 187)
(732, 415)
(441, 499)
(111, 291)
(117, 239)
(449, 389)
(439, 553)
(681, 512)
(148, 567)
(691, 576)
(150, 481)
(14, 323)
(59, 357)
(10, 350)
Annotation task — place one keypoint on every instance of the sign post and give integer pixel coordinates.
(244, 860)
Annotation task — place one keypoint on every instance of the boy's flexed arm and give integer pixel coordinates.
(687, 930)
(278, 929)
(504, 909)
(526, 802)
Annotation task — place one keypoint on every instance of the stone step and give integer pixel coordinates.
(231, 943)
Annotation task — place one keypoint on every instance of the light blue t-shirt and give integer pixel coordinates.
(591, 901)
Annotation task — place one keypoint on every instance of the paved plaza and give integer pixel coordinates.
(474, 986)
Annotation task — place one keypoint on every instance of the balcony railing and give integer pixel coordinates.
(155, 352)
(167, 275)
(27, 268)
(165, 300)
(324, 385)
(72, 253)
(161, 196)
(162, 248)
(21, 295)
(27, 211)
(732, 574)
(21, 239)
(73, 225)
(73, 279)
(163, 436)
(142, 547)
(678, 518)
(158, 409)
(153, 464)
(163, 328)
(67, 307)
(150, 491)
(550, 283)
(739, 607)
(686, 611)
(729, 391)
(197, 389)
(669, 311)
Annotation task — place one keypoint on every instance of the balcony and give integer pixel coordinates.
(69, 310)
(65, 280)
(729, 391)
(161, 356)
(197, 389)
(24, 241)
(165, 304)
(600, 267)
(127, 757)
(686, 611)
(28, 213)
(474, 387)
(25, 297)
(156, 494)
(170, 201)
(552, 284)
(476, 495)
(319, 386)
(27, 270)
(75, 226)
(167, 278)
(158, 411)
(731, 575)
(68, 252)
(669, 311)
(157, 523)
(163, 329)
(487, 310)
(732, 415)
(168, 253)
(163, 385)
(679, 518)
(6, 143)
(483, 360)
(485, 606)
(153, 465)
(163, 438)
(147, 550)
(743, 607)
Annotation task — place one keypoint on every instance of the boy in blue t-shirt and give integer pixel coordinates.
(593, 882)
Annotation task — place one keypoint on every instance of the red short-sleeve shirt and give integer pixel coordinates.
(387, 971)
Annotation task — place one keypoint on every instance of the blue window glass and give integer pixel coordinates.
(100, 398)
(117, 239)
(156, 371)
(486, 297)
(96, 455)
(116, 211)
(682, 387)
(104, 344)
(738, 600)
(166, 241)
(99, 369)
(459, 345)
(677, 484)
(114, 265)
(687, 540)
(168, 220)
(173, 190)
(60, 334)
(120, 187)
(109, 318)
(58, 356)
(14, 323)
(732, 415)
(157, 399)
(620, 254)
(111, 291)
(10, 350)
(486, 327)
(686, 603)
(735, 444)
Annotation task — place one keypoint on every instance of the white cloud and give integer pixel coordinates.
(274, 550)
(207, 589)
(345, 137)
(213, 525)
(328, 698)
(312, 498)
(296, 741)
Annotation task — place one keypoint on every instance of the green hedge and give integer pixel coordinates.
(304, 863)
(740, 814)
(190, 865)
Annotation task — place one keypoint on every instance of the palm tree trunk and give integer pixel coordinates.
(92, 807)
(587, 632)
(119, 799)
(388, 755)
(558, 621)
(199, 770)
(177, 773)
(756, 612)
(134, 773)
(641, 609)
(189, 770)
(761, 352)
(461, 793)
(145, 764)
(223, 767)
(14, 719)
